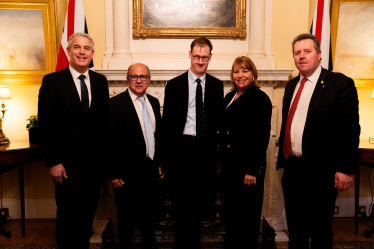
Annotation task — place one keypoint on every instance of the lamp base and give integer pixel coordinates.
(3, 138)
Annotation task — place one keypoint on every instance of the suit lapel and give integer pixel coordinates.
(72, 89)
(94, 90)
(316, 97)
(156, 111)
(208, 94)
(184, 93)
(129, 105)
(228, 99)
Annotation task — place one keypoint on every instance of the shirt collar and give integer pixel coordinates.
(314, 77)
(192, 78)
(76, 74)
(134, 97)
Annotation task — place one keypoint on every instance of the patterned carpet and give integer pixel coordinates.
(279, 245)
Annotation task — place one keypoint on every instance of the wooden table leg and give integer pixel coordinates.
(22, 195)
(357, 196)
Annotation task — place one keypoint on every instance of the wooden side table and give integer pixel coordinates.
(366, 157)
(18, 153)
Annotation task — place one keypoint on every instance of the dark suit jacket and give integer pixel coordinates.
(69, 136)
(175, 113)
(244, 134)
(126, 148)
(331, 134)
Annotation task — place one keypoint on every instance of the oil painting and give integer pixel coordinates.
(189, 14)
(354, 53)
(189, 18)
(22, 45)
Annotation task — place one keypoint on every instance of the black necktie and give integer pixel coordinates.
(200, 129)
(84, 95)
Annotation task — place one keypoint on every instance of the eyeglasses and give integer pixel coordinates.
(197, 58)
(136, 77)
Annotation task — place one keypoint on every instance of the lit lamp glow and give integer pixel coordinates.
(4, 94)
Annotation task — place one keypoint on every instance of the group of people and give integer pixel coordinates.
(200, 132)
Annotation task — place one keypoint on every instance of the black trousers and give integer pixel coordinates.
(242, 207)
(190, 185)
(76, 203)
(309, 207)
(136, 208)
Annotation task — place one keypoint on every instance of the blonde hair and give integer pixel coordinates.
(247, 63)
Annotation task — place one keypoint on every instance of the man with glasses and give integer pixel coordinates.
(134, 124)
(190, 115)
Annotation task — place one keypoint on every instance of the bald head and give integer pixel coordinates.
(138, 78)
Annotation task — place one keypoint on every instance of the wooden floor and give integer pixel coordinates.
(43, 231)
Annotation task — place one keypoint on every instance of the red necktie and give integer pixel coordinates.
(287, 148)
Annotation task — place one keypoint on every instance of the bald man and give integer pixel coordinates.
(134, 124)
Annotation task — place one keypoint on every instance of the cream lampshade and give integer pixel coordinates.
(4, 94)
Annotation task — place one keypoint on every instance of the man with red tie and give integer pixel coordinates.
(318, 144)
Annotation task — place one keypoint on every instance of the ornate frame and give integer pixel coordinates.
(334, 31)
(238, 32)
(48, 8)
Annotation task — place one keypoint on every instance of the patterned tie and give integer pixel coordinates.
(287, 147)
(148, 128)
(84, 95)
(200, 129)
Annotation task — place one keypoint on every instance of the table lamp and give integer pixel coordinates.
(4, 94)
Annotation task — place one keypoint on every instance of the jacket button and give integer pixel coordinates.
(228, 146)
(228, 133)
(217, 132)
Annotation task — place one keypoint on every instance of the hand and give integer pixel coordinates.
(219, 168)
(161, 172)
(249, 180)
(58, 172)
(343, 181)
(117, 183)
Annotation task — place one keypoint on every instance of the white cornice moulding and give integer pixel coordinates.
(276, 75)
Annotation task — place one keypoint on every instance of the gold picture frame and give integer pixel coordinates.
(219, 29)
(44, 11)
(340, 58)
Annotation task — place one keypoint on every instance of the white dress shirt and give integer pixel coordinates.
(77, 82)
(138, 108)
(299, 119)
(190, 127)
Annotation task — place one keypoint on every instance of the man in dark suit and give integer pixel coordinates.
(70, 110)
(134, 127)
(190, 115)
(318, 144)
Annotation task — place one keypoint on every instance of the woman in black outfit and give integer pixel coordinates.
(244, 138)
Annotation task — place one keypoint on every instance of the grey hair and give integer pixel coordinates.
(80, 34)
